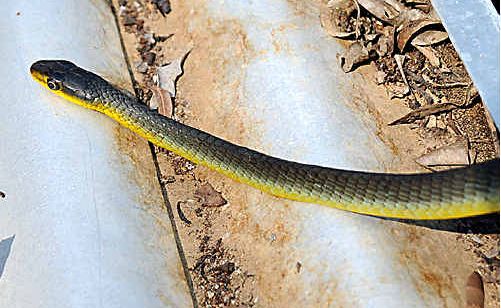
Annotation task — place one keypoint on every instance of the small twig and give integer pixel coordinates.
(400, 63)
(425, 111)
(201, 266)
(475, 153)
(181, 214)
(423, 2)
(452, 124)
(446, 85)
(199, 263)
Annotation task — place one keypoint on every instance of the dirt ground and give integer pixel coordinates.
(236, 261)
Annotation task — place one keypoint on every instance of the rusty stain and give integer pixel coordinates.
(279, 44)
(329, 295)
(436, 282)
(432, 271)
(227, 46)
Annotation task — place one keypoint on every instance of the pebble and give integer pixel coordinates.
(163, 6)
(138, 6)
(168, 180)
(380, 77)
(298, 267)
(149, 58)
(228, 267)
(273, 237)
(150, 38)
(494, 252)
(142, 67)
(129, 21)
(476, 239)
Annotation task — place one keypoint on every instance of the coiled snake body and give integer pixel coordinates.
(442, 195)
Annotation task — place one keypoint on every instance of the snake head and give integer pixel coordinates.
(68, 80)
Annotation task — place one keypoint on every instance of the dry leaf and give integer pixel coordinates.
(386, 41)
(396, 4)
(329, 14)
(410, 14)
(410, 28)
(168, 74)
(209, 196)
(429, 53)
(430, 37)
(453, 84)
(162, 101)
(381, 9)
(425, 111)
(354, 56)
(416, 2)
(422, 97)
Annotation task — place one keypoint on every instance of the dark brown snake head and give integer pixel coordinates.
(69, 81)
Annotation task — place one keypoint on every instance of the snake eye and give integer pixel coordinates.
(53, 85)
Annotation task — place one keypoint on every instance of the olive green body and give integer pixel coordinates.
(461, 192)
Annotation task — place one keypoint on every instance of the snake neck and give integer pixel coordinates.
(457, 193)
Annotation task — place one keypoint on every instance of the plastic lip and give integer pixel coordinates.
(473, 27)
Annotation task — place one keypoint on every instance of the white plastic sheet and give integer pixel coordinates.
(81, 224)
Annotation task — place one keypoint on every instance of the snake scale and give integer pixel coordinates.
(456, 193)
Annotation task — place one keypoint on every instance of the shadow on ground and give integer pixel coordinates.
(5, 247)
(485, 224)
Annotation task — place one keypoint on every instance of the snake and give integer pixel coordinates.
(456, 193)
